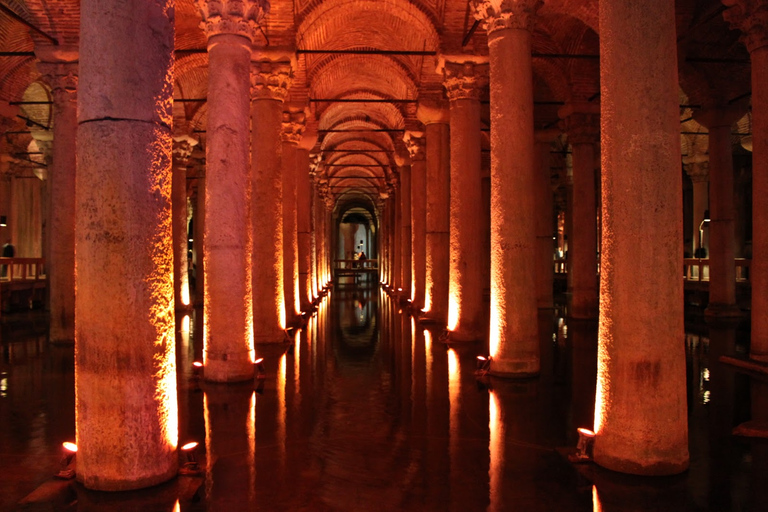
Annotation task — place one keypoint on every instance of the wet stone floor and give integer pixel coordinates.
(369, 411)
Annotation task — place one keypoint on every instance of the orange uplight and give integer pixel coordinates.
(197, 364)
(453, 314)
(189, 446)
(586, 432)
(70, 447)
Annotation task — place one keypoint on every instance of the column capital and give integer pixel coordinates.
(314, 165)
(506, 14)
(183, 145)
(62, 78)
(433, 112)
(697, 170)
(293, 125)
(270, 80)
(232, 17)
(751, 17)
(581, 123)
(464, 80)
(712, 117)
(414, 143)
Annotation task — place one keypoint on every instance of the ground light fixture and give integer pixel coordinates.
(258, 367)
(190, 467)
(483, 365)
(70, 450)
(584, 446)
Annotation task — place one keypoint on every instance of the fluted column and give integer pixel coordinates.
(60, 72)
(269, 88)
(435, 118)
(293, 128)
(125, 362)
(303, 209)
(640, 337)
(751, 16)
(463, 82)
(182, 150)
(514, 343)
(582, 123)
(228, 337)
(697, 169)
(414, 142)
(544, 223)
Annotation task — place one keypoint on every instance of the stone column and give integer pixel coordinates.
(60, 72)
(640, 406)
(414, 142)
(438, 169)
(397, 226)
(544, 223)
(514, 342)
(199, 241)
(293, 127)
(182, 150)
(313, 230)
(722, 268)
(697, 169)
(269, 88)
(303, 208)
(582, 123)
(405, 228)
(751, 16)
(125, 361)
(228, 337)
(463, 82)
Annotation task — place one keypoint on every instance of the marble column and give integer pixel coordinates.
(435, 118)
(313, 226)
(293, 128)
(125, 362)
(640, 406)
(697, 168)
(722, 231)
(582, 124)
(182, 150)
(544, 223)
(59, 70)
(269, 88)
(199, 240)
(514, 341)
(414, 142)
(463, 81)
(751, 16)
(303, 208)
(405, 229)
(228, 327)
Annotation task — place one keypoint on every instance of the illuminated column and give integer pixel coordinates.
(722, 232)
(697, 168)
(397, 225)
(405, 227)
(60, 72)
(752, 18)
(182, 150)
(414, 141)
(582, 123)
(269, 87)
(125, 359)
(641, 290)
(293, 127)
(303, 208)
(199, 240)
(438, 169)
(228, 336)
(463, 82)
(544, 223)
(514, 342)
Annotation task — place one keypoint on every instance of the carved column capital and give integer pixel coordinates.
(698, 170)
(293, 125)
(505, 14)
(582, 127)
(464, 80)
(182, 149)
(232, 17)
(414, 143)
(62, 78)
(751, 17)
(270, 80)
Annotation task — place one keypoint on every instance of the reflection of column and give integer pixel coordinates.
(463, 82)
(514, 341)
(182, 150)
(125, 368)
(415, 143)
(582, 123)
(269, 87)
(544, 224)
(435, 119)
(698, 171)
(228, 336)
(61, 74)
(641, 289)
(293, 128)
(750, 17)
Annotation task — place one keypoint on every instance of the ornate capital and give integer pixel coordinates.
(582, 128)
(504, 14)
(293, 124)
(270, 80)
(61, 77)
(414, 143)
(234, 17)
(182, 149)
(464, 80)
(697, 171)
(751, 17)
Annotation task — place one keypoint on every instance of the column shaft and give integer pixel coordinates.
(544, 228)
(199, 240)
(438, 221)
(759, 272)
(641, 349)
(180, 237)
(418, 231)
(290, 234)
(405, 233)
(303, 205)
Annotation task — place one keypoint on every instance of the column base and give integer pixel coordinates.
(98, 483)
(717, 310)
(226, 372)
(514, 369)
(657, 468)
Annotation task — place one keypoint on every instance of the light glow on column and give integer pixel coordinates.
(453, 311)
(494, 338)
(602, 389)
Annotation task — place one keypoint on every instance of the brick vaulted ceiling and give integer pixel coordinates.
(353, 50)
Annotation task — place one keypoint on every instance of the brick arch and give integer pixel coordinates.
(382, 115)
(584, 10)
(382, 75)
